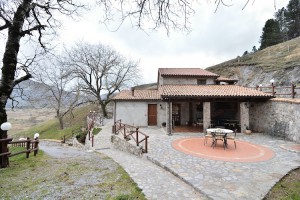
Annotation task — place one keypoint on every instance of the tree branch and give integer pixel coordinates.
(23, 78)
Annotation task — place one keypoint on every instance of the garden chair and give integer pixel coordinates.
(232, 137)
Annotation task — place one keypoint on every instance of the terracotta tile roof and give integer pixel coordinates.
(185, 72)
(138, 95)
(211, 91)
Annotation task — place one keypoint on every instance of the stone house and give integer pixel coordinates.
(188, 97)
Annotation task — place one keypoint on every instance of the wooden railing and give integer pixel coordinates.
(131, 132)
(281, 91)
(30, 146)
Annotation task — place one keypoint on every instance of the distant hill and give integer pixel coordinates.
(30, 94)
(149, 86)
(280, 62)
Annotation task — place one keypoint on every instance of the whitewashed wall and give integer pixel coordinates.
(136, 113)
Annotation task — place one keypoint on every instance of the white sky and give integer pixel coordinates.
(215, 37)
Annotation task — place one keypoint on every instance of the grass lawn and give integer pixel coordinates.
(288, 188)
(44, 177)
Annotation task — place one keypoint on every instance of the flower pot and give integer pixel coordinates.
(248, 132)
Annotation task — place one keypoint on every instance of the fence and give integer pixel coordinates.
(281, 91)
(131, 132)
(30, 146)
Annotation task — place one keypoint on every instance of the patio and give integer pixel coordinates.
(240, 173)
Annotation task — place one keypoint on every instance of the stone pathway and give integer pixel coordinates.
(199, 178)
(155, 182)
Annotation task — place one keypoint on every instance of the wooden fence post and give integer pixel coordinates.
(146, 144)
(36, 145)
(293, 90)
(273, 89)
(137, 136)
(28, 147)
(92, 140)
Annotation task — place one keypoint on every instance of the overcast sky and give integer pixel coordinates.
(214, 37)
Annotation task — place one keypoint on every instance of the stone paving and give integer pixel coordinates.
(211, 179)
(155, 182)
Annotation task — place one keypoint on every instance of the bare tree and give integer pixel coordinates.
(154, 14)
(24, 19)
(58, 89)
(101, 71)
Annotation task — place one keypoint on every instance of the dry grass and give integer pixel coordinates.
(22, 119)
(280, 56)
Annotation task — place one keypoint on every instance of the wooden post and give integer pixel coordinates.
(293, 90)
(28, 147)
(146, 144)
(36, 146)
(273, 89)
(137, 136)
(92, 140)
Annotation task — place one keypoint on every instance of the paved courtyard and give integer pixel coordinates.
(184, 176)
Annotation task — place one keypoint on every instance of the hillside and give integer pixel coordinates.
(32, 94)
(279, 62)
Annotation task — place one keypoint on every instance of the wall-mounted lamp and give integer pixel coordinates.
(161, 107)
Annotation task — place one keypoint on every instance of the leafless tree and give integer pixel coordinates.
(30, 20)
(154, 14)
(101, 71)
(58, 88)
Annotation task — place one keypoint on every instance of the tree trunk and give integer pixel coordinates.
(10, 64)
(61, 123)
(3, 134)
(103, 108)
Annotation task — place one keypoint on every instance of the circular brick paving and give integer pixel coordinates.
(244, 152)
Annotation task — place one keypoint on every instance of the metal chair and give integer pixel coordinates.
(232, 138)
(215, 139)
(207, 135)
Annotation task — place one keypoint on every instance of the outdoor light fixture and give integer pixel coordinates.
(272, 81)
(5, 126)
(260, 85)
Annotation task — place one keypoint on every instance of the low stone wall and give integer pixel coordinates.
(263, 117)
(123, 145)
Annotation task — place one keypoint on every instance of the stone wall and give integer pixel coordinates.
(123, 145)
(263, 117)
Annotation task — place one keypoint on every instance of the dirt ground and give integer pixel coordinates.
(22, 119)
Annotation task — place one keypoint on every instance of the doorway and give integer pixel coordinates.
(152, 114)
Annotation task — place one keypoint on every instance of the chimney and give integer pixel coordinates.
(132, 91)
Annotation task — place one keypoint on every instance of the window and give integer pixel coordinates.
(201, 82)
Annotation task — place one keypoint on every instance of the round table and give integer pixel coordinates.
(223, 130)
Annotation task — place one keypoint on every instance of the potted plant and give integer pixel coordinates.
(247, 131)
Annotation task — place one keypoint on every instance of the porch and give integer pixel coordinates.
(197, 116)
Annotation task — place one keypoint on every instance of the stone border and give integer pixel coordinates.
(123, 145)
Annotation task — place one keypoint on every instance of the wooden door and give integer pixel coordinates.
(152, 114)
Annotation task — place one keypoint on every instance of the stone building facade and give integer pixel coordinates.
(188, 96)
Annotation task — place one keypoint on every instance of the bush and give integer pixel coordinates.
(81, 137)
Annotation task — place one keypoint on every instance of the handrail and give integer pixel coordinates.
(280, 90)
(129, 131)
(30, 145)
